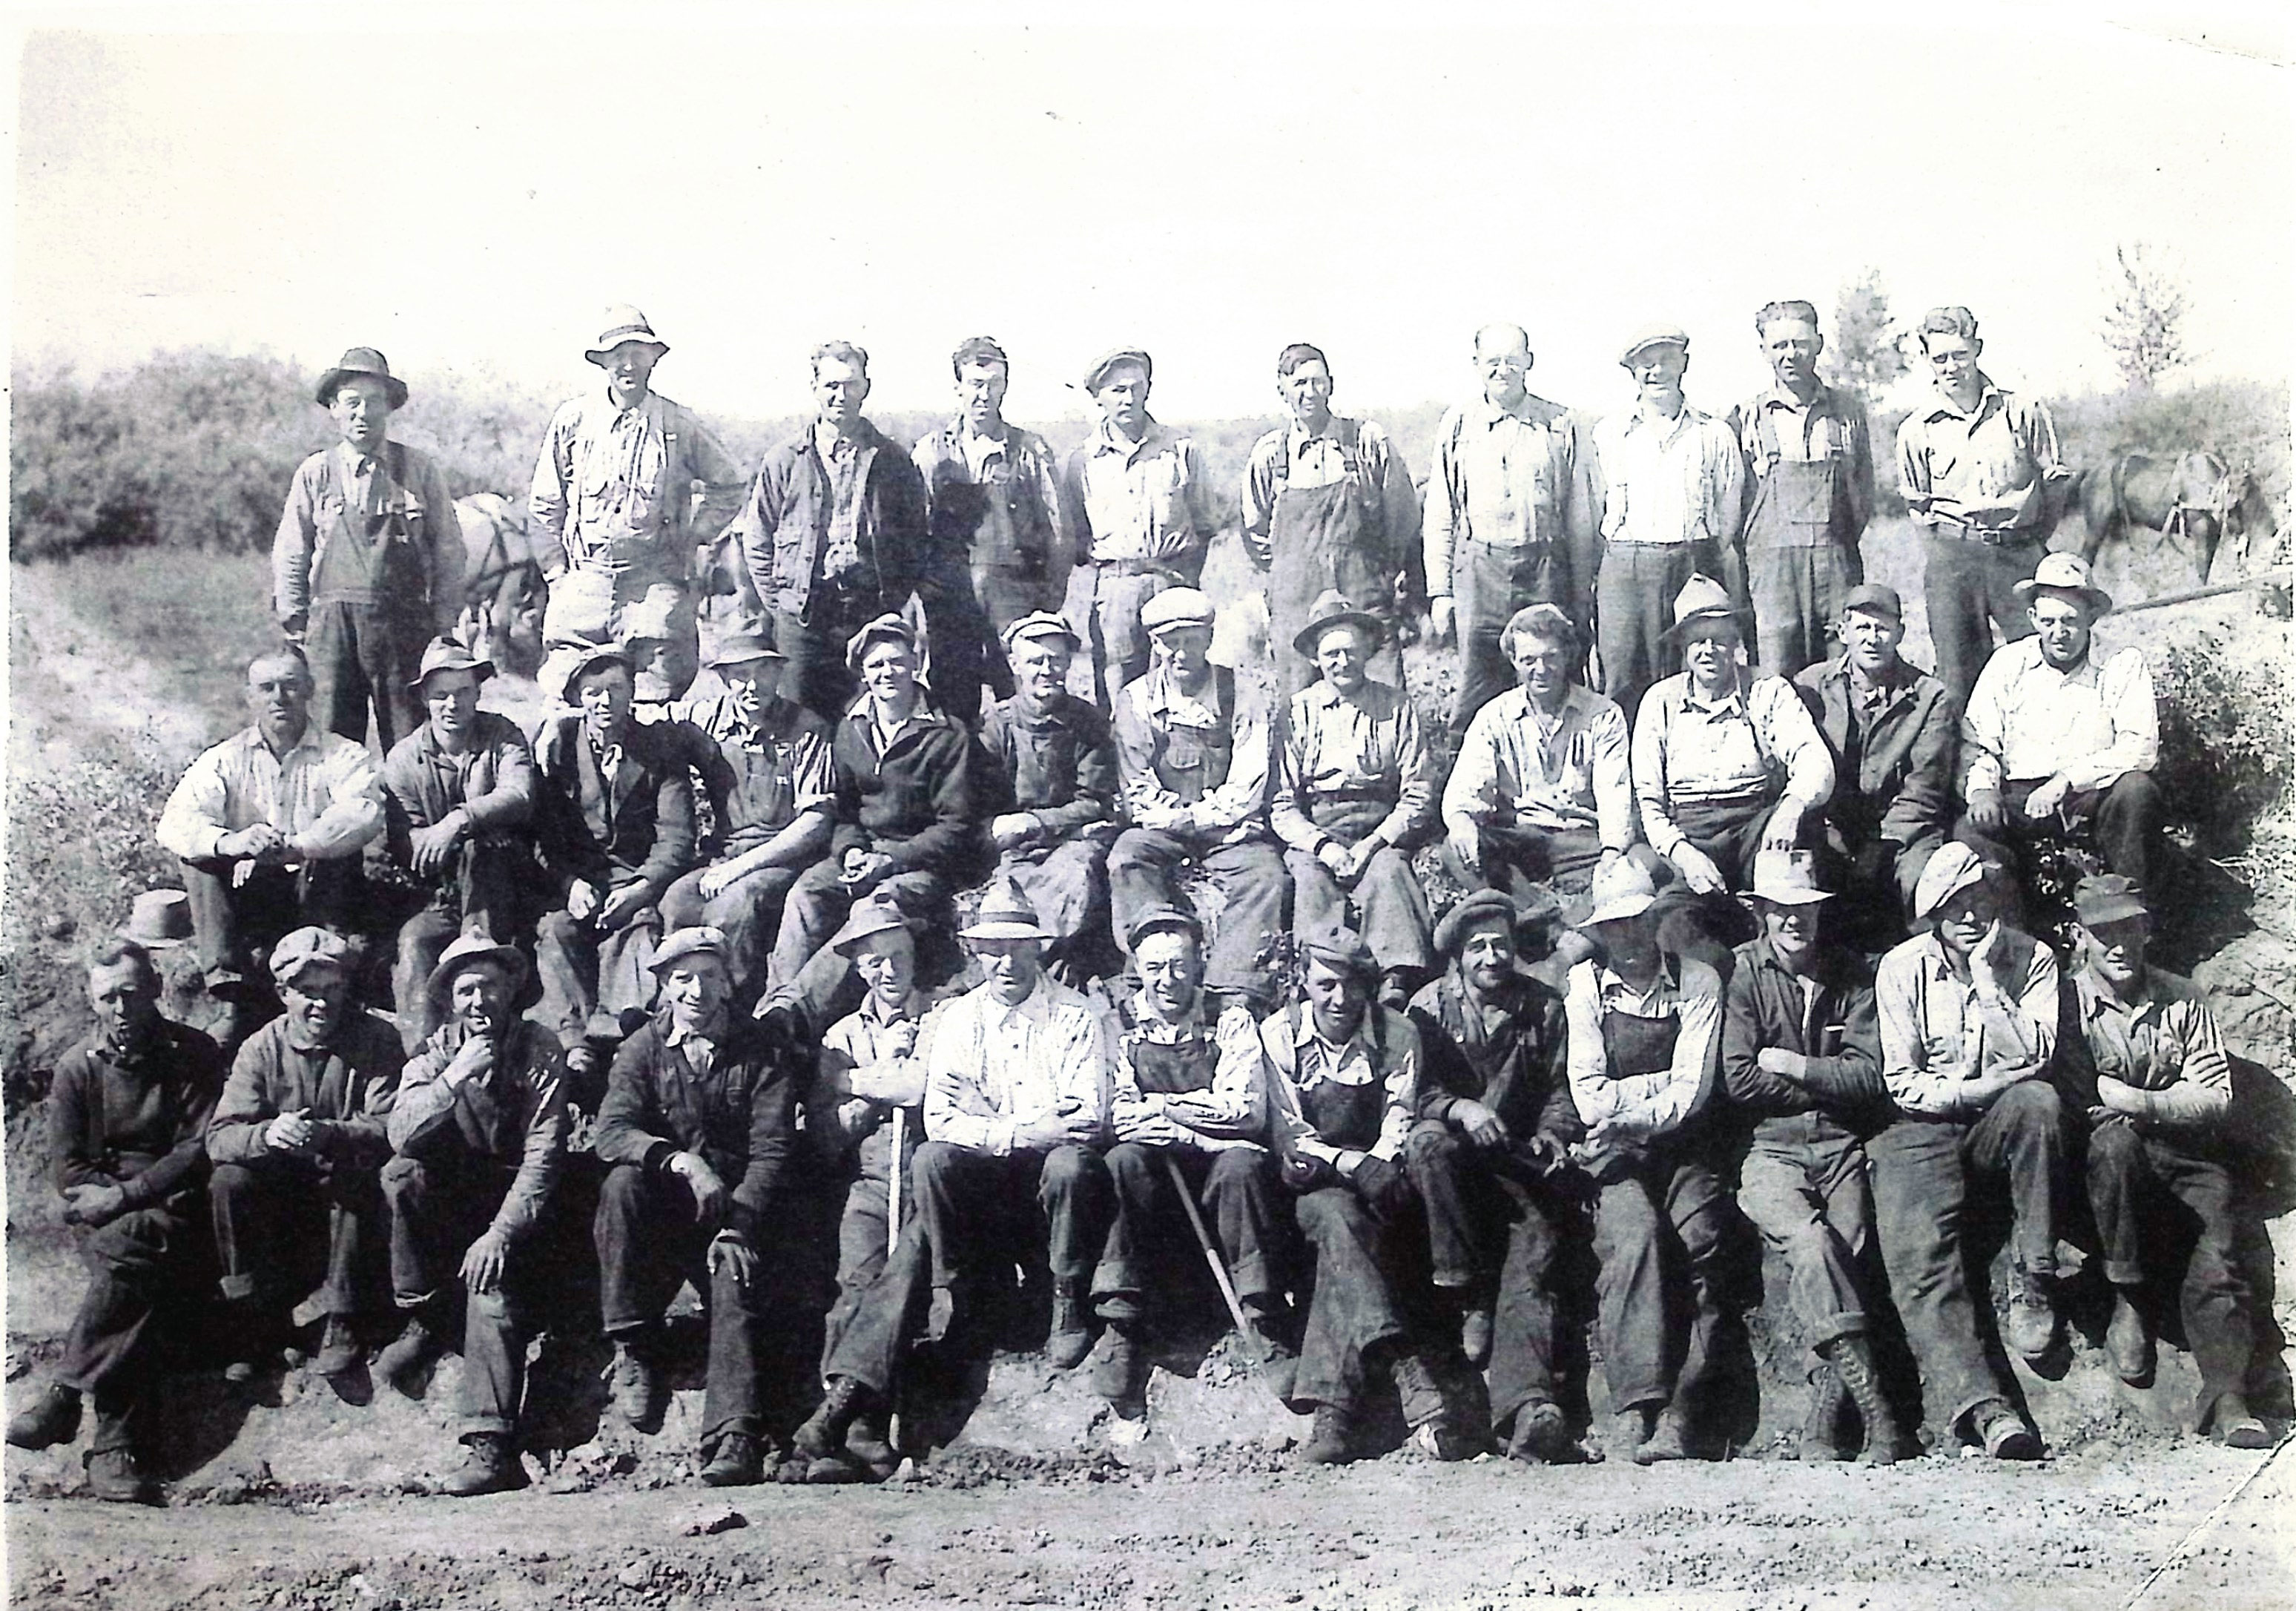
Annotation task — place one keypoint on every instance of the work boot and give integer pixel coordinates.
(868, 1442)
(823, 1436)
(1120, 1373)
(51, 1418)
(2034, 1324)
(1475, 1336)
(2236, 1426)
(1331, 1443)
(1424, 1402)
(941, 1314)
(2128, 1342)
(339, 1348)
(735, 1462)
(1071, 1338)
(1853, 1363)
(491, 1466)
(1669, 1440)
(639, 1395)
(404, 1357)
(1272, 1318)
(1821, 1428)
(1542, 1436)
(114, 1477)
(2004, 1432)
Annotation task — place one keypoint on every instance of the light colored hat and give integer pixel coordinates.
(2063, 573)
(876, 914)
(887, 628)
(702, 940)
(468, 950)
(2108, 898)
(1005, 914)
(1177, 607)
(1621, 889)
(739, 648)
(445, 653)
(1788, 878)
(622, 323)
(361, 360)
(1654, 335)
(1040, 623)
(1106, 361)
(1332, 609)
(568, 662)
(160, 920)
(1953, 869)
(1701, 598)
(310, 947)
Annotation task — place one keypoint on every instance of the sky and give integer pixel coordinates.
(468, 189)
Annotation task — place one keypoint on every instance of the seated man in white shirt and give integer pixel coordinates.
(2058, 737)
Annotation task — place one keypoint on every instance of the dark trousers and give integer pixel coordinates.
(140, 1266)
(1730, 834)
(1239, 1191)
(866, 1341)
(748, 910)
(1803, 1185)
(1797, 590)
(864, 1227)
(274, 1214)
(1660, 1212)
(2126, 819)
(1354, 1311)
(650, 1242)
(1924, 1173)
(1489, 582)
(2151, 1191)
(1390, 907)
(1519, 859)
(1066, 882)
(582, 972)
(1873, 878)
(1634, 608)
(1250, 876)
(964, 617)
(437, 1208)
(363, 654)
(815, 907)
(490, 893)
(817, 676)
(1967, 589)
(234, 927)
(976, 1208)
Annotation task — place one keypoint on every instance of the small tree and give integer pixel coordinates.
(1863, 354)
(2144, 326)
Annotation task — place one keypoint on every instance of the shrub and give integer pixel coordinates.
(2227, 742)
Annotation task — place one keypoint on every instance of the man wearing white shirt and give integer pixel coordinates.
(2057, 735)
(1016, 1099)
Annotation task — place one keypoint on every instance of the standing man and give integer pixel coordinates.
(1512, 512)
(367, 564)
(1673, 507)
(1980, 469)
(611, 514)
(992, 513)
(127, 1116)
(834, 534)
(1328, 505)
(1810, 468)
(1139, 511)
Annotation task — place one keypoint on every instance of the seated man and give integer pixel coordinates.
(1892, 731)
(458, 805)
(767, 774)
(1802, 1059)
(1344, 1088)
(1542, 790)
(480, 1131)
(2058, 737)
(616, 821)
(1643, 1026)
(1726, 762)
(1495, 1125)
(2143, 1050)
(1968, 1016)
(1056, 776)
(269, 825)
(864, 1119)
(1189, 1116)
(906, 797)
(698, 1097)
(296, 1144)
(127, 1117)
(1196, 771)
(1355, 795)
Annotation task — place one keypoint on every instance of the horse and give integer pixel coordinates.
(503, 594)
(2196, 498)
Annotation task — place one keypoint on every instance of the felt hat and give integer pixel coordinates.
(361, 360)
(1654, 335)
(159, 920)
(1701, 598)
(445, 653)
(1787, 878)
(467, 950)
(622, 323)
(1040, 623)
(1332, 609)
(568, 662)
(1953, 869)
(1095, 376)
(1874, 599)
(739, 648)
(887, 628)
(700, 940)
(1336, 945)
(1620, 889)
(1480, 910)
(2063, 573)
(876, 914)
(1005, 914)
(1159, 920)
(1177, 607)
(310, 948)
(2108, 898)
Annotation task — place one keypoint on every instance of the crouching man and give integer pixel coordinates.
(695, 1132)
(2145, 1048)
(1189, 1114)
(127, 1115)
(296, 1144)
(480, 1131)
(1488, 1158)
(1344, 1088)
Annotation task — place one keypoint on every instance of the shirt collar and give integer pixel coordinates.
(310, 740)
(1733, 704)
(1307, 1032)
(1639, 418)
(1105, 440)
(1987, 393)
(1146, 1012)
(674, 1035)
(1527, 411)
(1778, 397)
(1609, 982)
(1296, 436)
(873, 1010)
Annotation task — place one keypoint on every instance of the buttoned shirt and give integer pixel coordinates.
(1299, 1058)
(1364, 748)
(767, 773)
(2028, 720)
(323, 795)
(1230, 1113)
(1508, 477)
(1670, 481)
(364, 484)
(2165, 1043)
(840, 545)
(1928, 1018)
(1565, 773)
(1832, 425)
(1321, 460)
(1637, 1107)
(890, 1042)
(1144, 500)
(1986, 467)
(1689, 748)
(1152, 713)
(608, 476)
(994, 1070)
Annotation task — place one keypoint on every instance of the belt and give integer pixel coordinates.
(1138, 567)
(1629, 542)
(1954, 529)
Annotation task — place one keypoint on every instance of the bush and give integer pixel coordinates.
(2227, 742)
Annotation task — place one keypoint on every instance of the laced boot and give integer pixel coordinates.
(1821, 1428)
(1071, 1338)
(1333, 1440)
(52, 1417)
(2034, 1324)
(639, 1398)
(2004, 1432)
(491, 1466)
(868, 1442)
(2128, 1341)
(339, 1348)
(823, 1434)
(1542, 1436)
(1853, 1361)
(405, 1354)
(735, 1462)
(1669, 1440)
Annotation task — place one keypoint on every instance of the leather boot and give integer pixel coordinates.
(735, 1462)
(1333, 1440)
(639, 1397)
(1541, 1437)
(114, 1477)
(52, 1417)
(339, 1348)
(823, 1436)
(1071, 1338)
(1821, 1428)
(1120, 1373)
(2004, 1432)
(2128, 1341)
(2236, 1426)
(1853, 1362)
(2034, 1324)
(491, 1466)
(1669, 1440)
(868, 1443)
(404, 1357)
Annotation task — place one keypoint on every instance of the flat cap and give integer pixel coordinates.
(2108, 898)
(1952, 868)
(1177, 607)
(876, 914)
(700, 940)
(1163, 919)
(1480, 910)
(1336, 945)
(887, 628)
(1875, 599)
(308, 947)
(1654, 335)
(1040, 623)
(1097, 375)
(978, 350)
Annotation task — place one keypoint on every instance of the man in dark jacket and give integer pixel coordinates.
(1894, 732)
(297, 1142)
(834, 534)
(1487, 1158)
(616, 816)
(458, 811)
(695, 1131)
(1801, 1057)
(126, 1117)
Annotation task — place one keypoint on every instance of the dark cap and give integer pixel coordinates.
(1875, 599)
(1336, 945)
(2108, 898)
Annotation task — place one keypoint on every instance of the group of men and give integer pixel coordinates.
(714, 943)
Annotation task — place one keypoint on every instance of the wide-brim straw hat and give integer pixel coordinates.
(1005, 914)
(1787, 878)
(1621, 889)
(623, 323)
(2063, 573)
